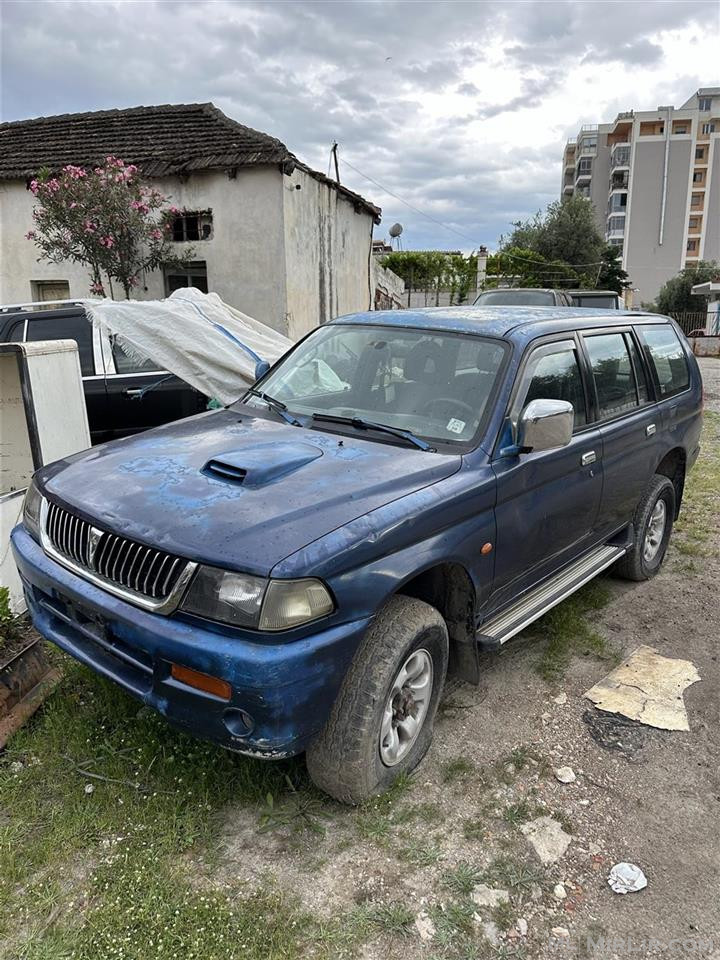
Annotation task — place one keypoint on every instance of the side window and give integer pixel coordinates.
(612, 373)
(667, 358)
(124, 363)
(66, 328)
(552, 373)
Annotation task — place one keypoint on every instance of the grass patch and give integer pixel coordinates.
(517, 813)
(420, 853)
(698, 518)
(462, 879)
(567, 633)
(503, 915)
(459, 768)
(394, 919)
(510, 874)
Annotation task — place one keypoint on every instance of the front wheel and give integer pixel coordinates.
(653, 523)
(381, 723)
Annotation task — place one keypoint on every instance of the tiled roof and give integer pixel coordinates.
(162, 140)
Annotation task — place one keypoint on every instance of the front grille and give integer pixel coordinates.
(143, 570)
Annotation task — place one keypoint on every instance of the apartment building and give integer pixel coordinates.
(653, 177)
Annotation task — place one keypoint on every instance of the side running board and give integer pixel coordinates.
(496, 631)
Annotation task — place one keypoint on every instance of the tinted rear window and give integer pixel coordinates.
(511, 298)
(598, 302)
(667, 358)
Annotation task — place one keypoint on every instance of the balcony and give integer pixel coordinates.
(619, 180)
(620, 156)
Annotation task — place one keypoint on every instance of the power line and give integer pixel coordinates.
(445, 226)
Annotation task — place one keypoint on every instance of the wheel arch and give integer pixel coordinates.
(449, 588)
(673, 466)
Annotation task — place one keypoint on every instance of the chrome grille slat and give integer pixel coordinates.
(149, 573)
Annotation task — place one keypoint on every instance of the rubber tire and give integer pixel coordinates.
(633, 566)
(344, 759)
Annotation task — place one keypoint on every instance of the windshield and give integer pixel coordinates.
(602, 301)
(435, 385)
(515, 298)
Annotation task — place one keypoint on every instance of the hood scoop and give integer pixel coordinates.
(259, 464)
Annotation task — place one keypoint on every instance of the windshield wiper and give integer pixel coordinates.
(361, 424)
(277, 405)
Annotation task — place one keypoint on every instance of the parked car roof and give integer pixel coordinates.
(496, 321)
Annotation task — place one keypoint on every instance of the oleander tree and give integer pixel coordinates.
(106, 218)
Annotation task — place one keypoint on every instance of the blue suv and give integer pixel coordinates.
(301, 570)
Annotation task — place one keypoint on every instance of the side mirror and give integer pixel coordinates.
(545, 424)
(261, 368)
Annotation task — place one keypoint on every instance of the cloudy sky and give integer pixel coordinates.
(459, 108)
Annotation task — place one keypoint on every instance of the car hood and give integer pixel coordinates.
(235, 490)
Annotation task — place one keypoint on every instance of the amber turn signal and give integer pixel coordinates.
(486, 548)
(201, 681)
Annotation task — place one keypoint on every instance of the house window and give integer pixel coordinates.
(693, 223)
(192, 225)
(699, 153)
(704, 103)
(708, 128)
(46, 291)
(190, 275)
(697, 176)
(691, 246)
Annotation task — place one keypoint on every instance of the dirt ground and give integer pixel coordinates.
(710, 370)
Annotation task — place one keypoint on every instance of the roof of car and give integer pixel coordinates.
(496, 321)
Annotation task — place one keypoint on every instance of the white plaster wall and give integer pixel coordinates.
(245, 262)
(327, 254)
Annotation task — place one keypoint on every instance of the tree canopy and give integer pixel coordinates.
(675, 296)
(566, 231)
(434, 270)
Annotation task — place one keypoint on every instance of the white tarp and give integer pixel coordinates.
(195, 335)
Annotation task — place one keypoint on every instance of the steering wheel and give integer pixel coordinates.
(428, 407)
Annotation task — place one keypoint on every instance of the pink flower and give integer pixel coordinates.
(132, 281)
(53, 185)
(107, 242)
(156, 234)
(89, 226)
(174, 210)
(97, 287)
(73, 204)
(34, 186)
(30, 235)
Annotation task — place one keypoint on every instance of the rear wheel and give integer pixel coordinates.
(652, 522)
(381, 723)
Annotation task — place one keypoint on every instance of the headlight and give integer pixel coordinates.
(245, 601)
(31, 510)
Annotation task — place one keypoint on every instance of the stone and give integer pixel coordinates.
(424, 926)
(491, 932)
(560, 700)
(547, 838)
(565, 775)
(594, 848)
(560, 933)
(484, 896)
(559, 891)
(522, 926)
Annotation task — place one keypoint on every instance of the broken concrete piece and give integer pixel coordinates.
(424, 926)
(565, 775)
(559, 891)
(484, 896)
(491, 932)
(648, 688)
(547, 838)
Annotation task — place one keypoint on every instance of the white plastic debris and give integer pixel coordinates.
(565, 775)
(522, 926)
(627, 878)
(89, 788)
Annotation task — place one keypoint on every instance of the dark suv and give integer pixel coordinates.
(297, 571)
(121, 395)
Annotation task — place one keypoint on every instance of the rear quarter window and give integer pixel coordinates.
(666, 357)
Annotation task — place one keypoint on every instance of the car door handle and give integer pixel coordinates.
(587, 458)
(132, 393)
(650, 429)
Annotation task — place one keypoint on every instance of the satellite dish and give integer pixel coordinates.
(395, 230)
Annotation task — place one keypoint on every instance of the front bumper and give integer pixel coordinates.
(286, 687)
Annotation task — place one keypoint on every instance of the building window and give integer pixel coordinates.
(584, 166)
(618, 202)
(191, 275)
(696, 200)
(615, 224)
(45, 291)
(693, 223)
(704, 104)
(699, 153)
(708, 128)
(691, 246)
(192, 225)
(679, 127)
(698, 176)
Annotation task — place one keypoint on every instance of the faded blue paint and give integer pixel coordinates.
(363, 515)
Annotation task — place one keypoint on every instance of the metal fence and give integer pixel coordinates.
(690, 320)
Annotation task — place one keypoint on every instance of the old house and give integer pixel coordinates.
(271, 236)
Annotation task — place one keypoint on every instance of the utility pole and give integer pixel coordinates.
(333, 151)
